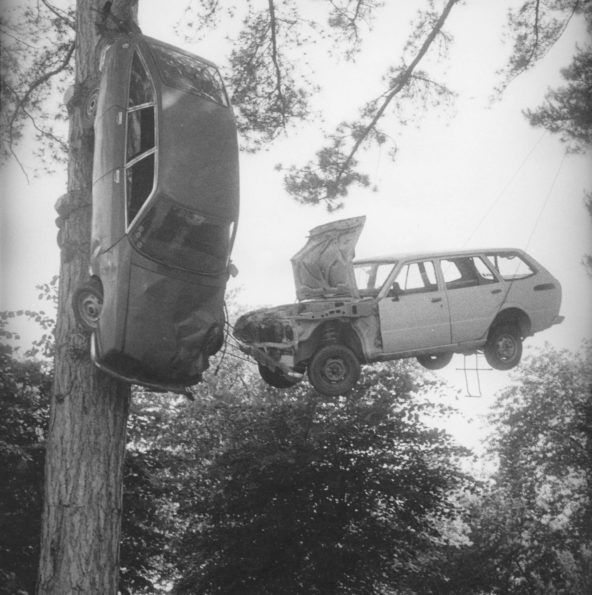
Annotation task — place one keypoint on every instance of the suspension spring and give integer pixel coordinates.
(330, 334)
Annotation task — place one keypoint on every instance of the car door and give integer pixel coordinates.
(475, 295)
(414, 313)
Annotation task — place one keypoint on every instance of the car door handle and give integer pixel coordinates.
(496, 291)
(434, 300)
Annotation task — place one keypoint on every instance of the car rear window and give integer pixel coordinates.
(189, 73)
(182, 238)
(511, 266)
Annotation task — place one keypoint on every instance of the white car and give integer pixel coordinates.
(427, 305)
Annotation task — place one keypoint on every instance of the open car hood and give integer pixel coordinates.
(323, 267)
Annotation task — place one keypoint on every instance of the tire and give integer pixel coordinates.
(87, 303)
(334, 370)
(435, 361)
(503, 349)
(275, 378)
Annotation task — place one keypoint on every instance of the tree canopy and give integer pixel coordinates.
(272, 80)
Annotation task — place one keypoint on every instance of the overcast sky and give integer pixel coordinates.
(474, 176)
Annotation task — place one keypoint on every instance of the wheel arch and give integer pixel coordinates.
(332, 331)
(515, 316)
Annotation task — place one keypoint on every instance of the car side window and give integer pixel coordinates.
(141, 90)
(370, 277)
(416, 277)
(510, 266)
(466, 271)
(140, 139)
(484, 271)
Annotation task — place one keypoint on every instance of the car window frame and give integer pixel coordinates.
(138, 51)
(481, 280)
(386, 290)
(156, 46)
(376, 291)
(232, 228)
(506, 253)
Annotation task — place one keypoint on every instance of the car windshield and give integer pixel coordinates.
(181, 238)
(189, 73)
(371, 276)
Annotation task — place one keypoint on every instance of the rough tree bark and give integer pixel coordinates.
(86, 441)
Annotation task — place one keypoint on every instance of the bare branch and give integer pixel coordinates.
(60, 14)
(400, 83)
(6, 31)
(22, 102)
(274, 57)
(536, 30)
(45, 133)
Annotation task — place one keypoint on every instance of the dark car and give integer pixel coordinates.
(165, 211)
(429, 306)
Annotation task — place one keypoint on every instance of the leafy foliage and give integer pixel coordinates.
(272, 81)
(567, 111)
(531, 529)
(328, 178)
(534, 26)
(302, 496)
(37, 46)
(25, 387)
(24, 403)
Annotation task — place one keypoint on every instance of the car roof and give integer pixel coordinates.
(437, 254)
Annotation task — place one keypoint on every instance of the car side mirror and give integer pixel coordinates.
(232, 270)
(395, 292)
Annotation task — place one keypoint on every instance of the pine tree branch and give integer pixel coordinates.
(275, 60)
(400, 83)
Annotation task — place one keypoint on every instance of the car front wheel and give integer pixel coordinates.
(435, 361)
(87, 303)
(503, 349)
(334, 370)
(275, 378)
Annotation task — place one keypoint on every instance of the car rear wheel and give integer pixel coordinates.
(87, 303)
(334, 370)
(275, 378)
(435, 361)
(503, 349)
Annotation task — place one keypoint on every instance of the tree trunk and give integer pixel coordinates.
(86, 439)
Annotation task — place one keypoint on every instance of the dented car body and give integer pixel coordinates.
(165, 210)
(427, 305)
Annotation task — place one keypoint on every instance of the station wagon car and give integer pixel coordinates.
(165, 201)
(427, 306)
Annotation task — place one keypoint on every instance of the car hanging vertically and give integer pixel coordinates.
(165, 211)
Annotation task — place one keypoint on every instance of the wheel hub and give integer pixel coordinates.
(91, 307)
(335, 370)
(506, 347)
